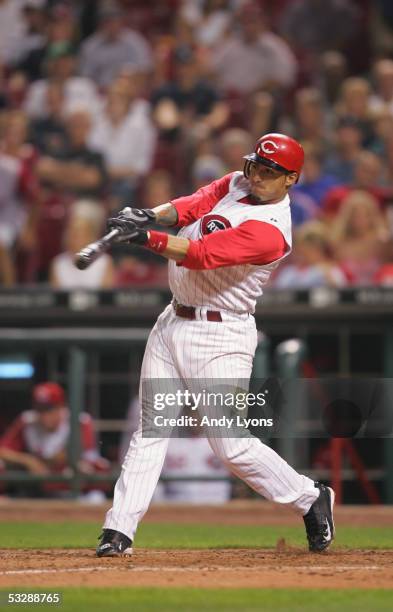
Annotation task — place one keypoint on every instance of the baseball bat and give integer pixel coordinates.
(92, 251)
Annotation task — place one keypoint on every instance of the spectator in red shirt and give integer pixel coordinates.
(37, 439)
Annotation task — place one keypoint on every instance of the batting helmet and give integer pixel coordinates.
(48, 394)
(276, 151)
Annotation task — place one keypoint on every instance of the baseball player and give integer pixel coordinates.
(37, 439)
(233, 233)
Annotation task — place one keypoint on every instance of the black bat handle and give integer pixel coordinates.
(91, 252)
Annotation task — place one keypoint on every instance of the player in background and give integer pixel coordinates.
(233, 233)
(37, 440)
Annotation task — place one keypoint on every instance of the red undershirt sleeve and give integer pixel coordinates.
(192, 207)
(252, 242)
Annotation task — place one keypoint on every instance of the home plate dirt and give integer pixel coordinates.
(283, 566)
(199, 568)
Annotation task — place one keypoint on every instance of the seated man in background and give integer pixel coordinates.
(74, 172)
(37, 440)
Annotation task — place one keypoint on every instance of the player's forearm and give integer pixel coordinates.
(16, 457)
(171, 247)
(176, 248)
(166, 214)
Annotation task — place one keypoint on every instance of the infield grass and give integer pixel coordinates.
(170, 535)
(216, 600)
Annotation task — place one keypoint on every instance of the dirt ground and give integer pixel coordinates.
(281, 567)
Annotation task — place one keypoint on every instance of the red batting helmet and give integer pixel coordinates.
(48, 395)
(276, 151)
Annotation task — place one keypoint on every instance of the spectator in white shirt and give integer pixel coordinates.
(78, 91)
(125, 135)
(85, 224)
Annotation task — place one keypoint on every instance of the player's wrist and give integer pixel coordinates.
(156, 241)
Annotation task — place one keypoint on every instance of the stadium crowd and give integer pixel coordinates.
(106, 103)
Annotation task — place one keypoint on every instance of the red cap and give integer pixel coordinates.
(278, 151)
(48, 394)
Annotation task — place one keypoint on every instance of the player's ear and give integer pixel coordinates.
(291, 179)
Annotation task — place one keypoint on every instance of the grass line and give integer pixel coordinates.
(198, 536)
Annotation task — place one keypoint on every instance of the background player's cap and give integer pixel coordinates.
(47, 395)
(277, 151)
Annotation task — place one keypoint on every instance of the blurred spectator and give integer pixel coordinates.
(313, 261)
(347, 146)
(38, 439)
(64, 25)
(209, 19)
(12, 29)
(234, 144)
(47, 28)
(307, 196)
(48, 133)
(361, 237)
(368, 176)
(30, 52)
(262, 117)
(253, 57)
(85, 225)
(188, 103)
(79, 91)
(382, 99)
(74, 171)
(311, 121)
(382, 135)
(125, 135)
(16, 157)
(158, 187)
(319, 25)
(112, 47)
(354, 103)
(77, 170)
(205, 169)
(331, 74)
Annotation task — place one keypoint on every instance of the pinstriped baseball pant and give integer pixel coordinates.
(180, 349)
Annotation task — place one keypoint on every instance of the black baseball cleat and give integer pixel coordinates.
(319, 520)
(113, 544)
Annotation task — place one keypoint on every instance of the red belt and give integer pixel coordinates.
(189, 312)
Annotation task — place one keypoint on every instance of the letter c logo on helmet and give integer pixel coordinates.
(268, 146)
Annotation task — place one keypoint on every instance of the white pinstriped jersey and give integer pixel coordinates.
(234, 288)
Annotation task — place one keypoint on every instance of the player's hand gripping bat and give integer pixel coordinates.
(126, 227)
